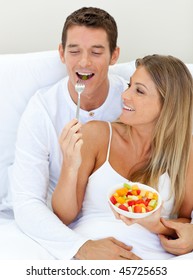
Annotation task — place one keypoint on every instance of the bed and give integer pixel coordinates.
(20, 76)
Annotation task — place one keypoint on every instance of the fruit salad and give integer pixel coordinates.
(133, 199)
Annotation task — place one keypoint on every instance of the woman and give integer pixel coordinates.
(150, 143)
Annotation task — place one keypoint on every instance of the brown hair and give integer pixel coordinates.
(93, 18)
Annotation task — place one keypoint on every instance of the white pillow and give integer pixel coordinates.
(190, 67)
(125, 69)
(20, 76)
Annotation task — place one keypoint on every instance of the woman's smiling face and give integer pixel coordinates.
(141, 101)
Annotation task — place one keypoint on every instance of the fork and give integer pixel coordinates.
(79, 87)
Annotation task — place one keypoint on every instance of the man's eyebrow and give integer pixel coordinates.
(94, 46)
(98, 46)
(72, 45)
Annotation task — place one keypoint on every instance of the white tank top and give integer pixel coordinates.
(97, 220)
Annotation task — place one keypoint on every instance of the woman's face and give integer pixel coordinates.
(141, 101)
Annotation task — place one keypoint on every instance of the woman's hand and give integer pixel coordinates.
(70, 143)
(151, 222)
(64, 196)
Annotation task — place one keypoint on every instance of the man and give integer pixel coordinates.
(89, 46)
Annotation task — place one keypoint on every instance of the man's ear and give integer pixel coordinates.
(61, 53)
(115, 56)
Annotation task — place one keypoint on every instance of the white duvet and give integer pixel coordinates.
(15, 245)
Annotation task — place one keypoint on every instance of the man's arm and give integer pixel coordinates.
(31, 185)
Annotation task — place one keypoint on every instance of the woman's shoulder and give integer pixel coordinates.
(95, 126)
(96, 130)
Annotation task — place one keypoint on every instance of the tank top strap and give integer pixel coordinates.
(109, 144)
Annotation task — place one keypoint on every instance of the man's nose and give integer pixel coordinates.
(85, 60)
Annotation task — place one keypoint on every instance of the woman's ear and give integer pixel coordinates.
(61, 53)
(115, 56)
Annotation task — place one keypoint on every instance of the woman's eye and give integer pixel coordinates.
(128, 84)
(139, 91)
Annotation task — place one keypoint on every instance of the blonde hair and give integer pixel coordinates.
(172, 136)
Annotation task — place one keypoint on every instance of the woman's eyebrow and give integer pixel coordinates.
(138, 83)
(141, 84)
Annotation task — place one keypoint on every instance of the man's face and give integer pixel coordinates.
(87, 57)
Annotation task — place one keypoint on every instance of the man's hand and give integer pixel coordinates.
(105, 249)
(184, 242)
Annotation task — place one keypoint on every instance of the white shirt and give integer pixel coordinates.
(38, 160)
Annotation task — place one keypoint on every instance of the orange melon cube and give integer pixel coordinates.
(120, 199)
(122, 191)
(135, 187)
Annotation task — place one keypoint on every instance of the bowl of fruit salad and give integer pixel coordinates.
(134, 200)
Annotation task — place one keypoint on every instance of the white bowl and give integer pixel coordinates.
(128, 214)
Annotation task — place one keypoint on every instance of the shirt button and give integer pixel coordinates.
(91, 114)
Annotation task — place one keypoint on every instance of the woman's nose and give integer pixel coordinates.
(126, 94)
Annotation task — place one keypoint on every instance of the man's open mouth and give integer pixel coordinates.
(84, 76)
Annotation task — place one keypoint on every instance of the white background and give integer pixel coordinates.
(145, 26)
(119, 270)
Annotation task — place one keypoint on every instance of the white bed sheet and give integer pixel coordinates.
(15, 245)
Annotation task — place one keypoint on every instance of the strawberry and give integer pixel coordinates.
(129, 193)
(137, 209)
(131, 202)
(123, 207)
(113, 199)
(138, 192)
(139, 201)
